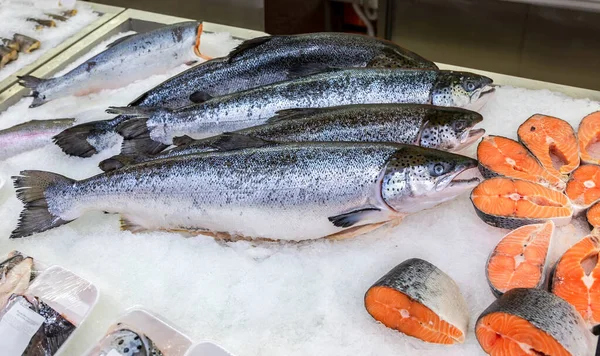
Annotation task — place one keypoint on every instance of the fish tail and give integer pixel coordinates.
(75, 141)
(136, 139)
(33, 83)
(31, 187)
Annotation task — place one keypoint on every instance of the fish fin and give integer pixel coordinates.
(246, 45)
(117, 162)
(31, 82)
(287, 114)
(230, 141)
(136, 138)
(74, 140)
(200, 96)
(310, 69)
(133, 111)
(351, 218)
(190, 63)
(128, 225)
(355, 231)
(182, 140)
(120, 40)
(31, 189)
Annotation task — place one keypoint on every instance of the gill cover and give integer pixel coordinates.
(447, 129)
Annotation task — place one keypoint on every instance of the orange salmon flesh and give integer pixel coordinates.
(593, 215)
(583, 187)
(588, 136)
(552, 141)
(509, 158)
(518, 199)
(577, 278)
(519, 259)
(398, 311)
(501, 334)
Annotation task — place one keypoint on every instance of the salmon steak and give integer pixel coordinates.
(576, 278)
(519, 259)
(501, 156)
(583, 188)
(552, 141)
(419, 300)
(510, 203)
(530, 321)
(593, 216)
(588, 135)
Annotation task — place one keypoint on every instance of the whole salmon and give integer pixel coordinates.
(344, 87)
(125, 61)
(296, 191)
(30, 135)
(254, 63)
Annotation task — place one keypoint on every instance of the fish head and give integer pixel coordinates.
(450, 129)
(461, 89)
(417, 178)
(126, 342)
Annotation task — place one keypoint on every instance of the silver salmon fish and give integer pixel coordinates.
(254, 63)
(295, 191)
(125, 61)
(345, 87)
(448, 129)
(30, 135)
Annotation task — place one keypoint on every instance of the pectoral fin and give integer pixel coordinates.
(355, 231)
(353, 217)
(128, 225)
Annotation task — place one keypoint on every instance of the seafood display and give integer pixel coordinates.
(329, 189)
(575, 278)
(519, 259)
(16, 272)
(501, 156)
(583, 187)
(419, 300)
(511, 203)
(254, 63)
(552, 141)
(126, 60)
(26, 44)
(30, 135)
(449, 129)
(7, 55)
(588, 135)
(125, 341)
(593, 216)
(532, 321)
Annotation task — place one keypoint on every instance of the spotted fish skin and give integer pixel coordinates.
(549, 314)
(30, 135)
(344, 87)
(294, 191)
(132, 59)
(442, 128)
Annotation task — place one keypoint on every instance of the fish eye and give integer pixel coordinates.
(460, 125)
(470, 86)
(438, 169)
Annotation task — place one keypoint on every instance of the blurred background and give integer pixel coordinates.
(550, 40)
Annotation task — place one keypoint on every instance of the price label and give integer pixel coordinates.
(17, 327)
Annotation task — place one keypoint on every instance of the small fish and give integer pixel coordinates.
(55, 329)
(42, 23)
(17, 272)
(10, 43)
(126, 60)
(448, 129)
(552, 141)
(26, 43)
(7, 55)
(289, 191)
(69, 13)
(419, 300)
(530, 321)
(344, 87)
(127, 342)
(57, 17)
(583, 187)
(519, 259)
(510, 203)
(254, 63)
(501, 156)
(588, 135)
(575, 278)
(30, 135)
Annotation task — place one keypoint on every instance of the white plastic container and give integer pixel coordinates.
(152, 330)
(29, 308)
(207, 348)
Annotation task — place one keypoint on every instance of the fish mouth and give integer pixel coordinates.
(469, 137)
(467, 177)
(484, 96)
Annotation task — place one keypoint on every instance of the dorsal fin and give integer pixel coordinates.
(120, 40)
(246, 45)
(230, 141)
(288, 114)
